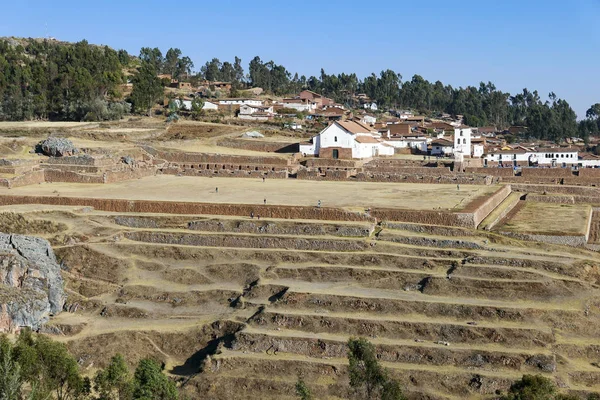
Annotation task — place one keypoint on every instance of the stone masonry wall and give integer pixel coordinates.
(172, 207)
(491, 171)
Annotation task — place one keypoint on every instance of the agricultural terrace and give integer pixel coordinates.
(348, 195)
(549, 219)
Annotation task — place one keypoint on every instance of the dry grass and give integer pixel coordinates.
(351, 195)
(550, 219)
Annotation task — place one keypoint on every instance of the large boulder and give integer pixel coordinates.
(31, 285)
(56, 147)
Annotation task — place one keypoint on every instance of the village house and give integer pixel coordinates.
(404, 114)
(186, 104)
(442, 147)
(329, 113)
(589, 161)
(256, 113)
(528, 157)
(403, 136)
(210, 106)
(417, 120)
(368, 119)
(347, 140)
(319, 100)
(370, 106)
(300, 105)
(181, 85)
(239, 102)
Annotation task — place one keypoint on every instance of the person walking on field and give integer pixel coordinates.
(265, 201)
(216, 190)
(458, 186)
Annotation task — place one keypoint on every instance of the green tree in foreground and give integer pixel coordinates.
(151, 384)
(10, 373)
(114, 382)
(147, 88)
(537, 387)
(302, 390)
(369, 379)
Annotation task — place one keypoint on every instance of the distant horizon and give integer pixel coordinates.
(545, 46)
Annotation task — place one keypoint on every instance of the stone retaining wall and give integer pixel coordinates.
(490, 204)
(202, 158)
(130, 173)
(172, 207)
(563, 189)
(255, 242)
(546, 172)
(18, 170)
(259, 145)
(490, 171)
(55, 175)
(329, 162)
(582, 181)
(554, 199)
(576, 241)
(426, 217)
(280, 227)
(416, 178)
(590, 173)
(81, 160)
(90, 169)
(30, 178)
(402, 170)
(226, 173)
(20, 162)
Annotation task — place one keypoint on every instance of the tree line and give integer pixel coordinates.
(38, 368)
(50, 80)
(34, 367)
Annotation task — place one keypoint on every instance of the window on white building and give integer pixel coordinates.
(335, 138)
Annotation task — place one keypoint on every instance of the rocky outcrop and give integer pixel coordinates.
(31, 286)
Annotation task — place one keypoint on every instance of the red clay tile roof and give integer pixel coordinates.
(366, 139)
(354, 127)
(442, 142)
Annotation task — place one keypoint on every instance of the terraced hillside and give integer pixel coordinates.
(238, 308)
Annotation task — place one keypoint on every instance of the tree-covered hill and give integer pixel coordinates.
(48, 79)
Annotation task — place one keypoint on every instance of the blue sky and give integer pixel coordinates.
(545, 45)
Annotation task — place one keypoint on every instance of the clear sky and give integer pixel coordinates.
(548, 45)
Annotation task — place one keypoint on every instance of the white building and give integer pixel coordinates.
(522, 156)
(370, 106)
(256, 113)
(300, 105)
(347, 139)
(210, 106)
(589, 161)
(249, 109)
(368, 119)
(462, 141)
(233, 102)
(187, 105)
(442, 147)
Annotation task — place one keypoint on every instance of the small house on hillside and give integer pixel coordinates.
(256, 113)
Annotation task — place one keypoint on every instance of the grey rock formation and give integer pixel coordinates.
(57, 147)
(31, 285)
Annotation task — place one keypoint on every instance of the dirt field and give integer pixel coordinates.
(549, 219)
(351, 195)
